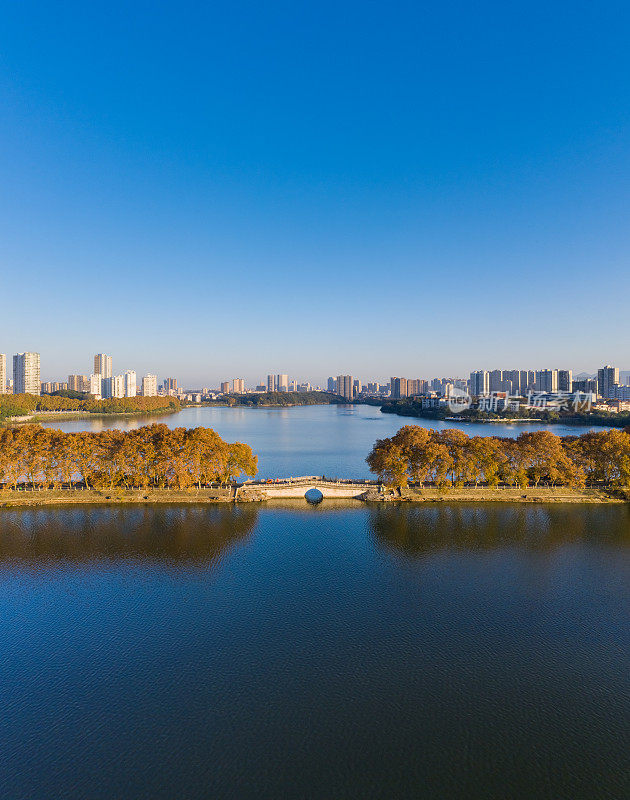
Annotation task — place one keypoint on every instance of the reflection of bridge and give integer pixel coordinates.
(298, 487)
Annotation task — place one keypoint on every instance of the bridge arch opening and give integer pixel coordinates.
(313, 496)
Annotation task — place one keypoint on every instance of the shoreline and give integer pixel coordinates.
(68, 497)
(571, 421)
(66, 416)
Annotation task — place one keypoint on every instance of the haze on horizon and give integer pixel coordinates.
(230, 189)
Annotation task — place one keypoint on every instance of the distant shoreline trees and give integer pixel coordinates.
(280, 399)
(152, 456)
(16, 405)
(451, 458)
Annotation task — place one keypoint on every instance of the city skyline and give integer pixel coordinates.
(395, 194)
(225, 368)
(105, 382)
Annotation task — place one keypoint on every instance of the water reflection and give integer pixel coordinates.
(416, 530)
(195, 534)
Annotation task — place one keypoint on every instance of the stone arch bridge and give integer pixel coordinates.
(298, 487)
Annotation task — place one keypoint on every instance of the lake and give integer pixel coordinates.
(329, 440)
(334, 651)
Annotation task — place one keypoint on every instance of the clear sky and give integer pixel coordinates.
(221, 189)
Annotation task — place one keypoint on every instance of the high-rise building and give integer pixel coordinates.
(332, 385)
(113, 387)
(512, 381)
(357, 387)
(79, 383)
(416, 386)
(48, 387)
(398, 388)
(3, 373)
(345, 386)
(607, 380)
(170, 384)
(527, 381)
(496, 380)
(26, 373)
(565, 380)
(479, 382)
(282, 383)
(149, 385)
(271, 383)
(239, 386)
(585, 385)
(103, 365)
(225, 387)
(96, 385)
(547, 380)
(130, 383)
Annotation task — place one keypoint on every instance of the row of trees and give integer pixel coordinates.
(419, 455)
(282, 399)
(151, 456)
(15, 405)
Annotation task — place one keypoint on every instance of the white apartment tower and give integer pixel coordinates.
(479, 382)
(26, 373)
(114, 386)
(149, 386)
(282, 383)
(271, 383)
(3, 373)
(103, 365)
(130, 383)
(96, 385)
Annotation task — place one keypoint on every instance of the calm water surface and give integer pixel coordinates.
(437, 651)
(306, 440)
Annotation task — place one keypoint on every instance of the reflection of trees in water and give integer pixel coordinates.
(422, 529)
(198, 534)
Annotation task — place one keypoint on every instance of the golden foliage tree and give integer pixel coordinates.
(151, 456)
(419, 455)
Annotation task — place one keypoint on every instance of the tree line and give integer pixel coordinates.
(281, 399)
(16, 405)
(151, 456)
(450, 457)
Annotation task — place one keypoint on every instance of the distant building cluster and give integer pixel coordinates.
(557, 387)
(101, 383)
(549, 388)
(605, 390)
(274, 383)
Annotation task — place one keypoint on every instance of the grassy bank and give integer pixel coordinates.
(543, 494)
(47, 497)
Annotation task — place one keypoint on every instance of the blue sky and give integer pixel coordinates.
(214, 190)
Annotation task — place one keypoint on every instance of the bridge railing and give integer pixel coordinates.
(306, 479)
